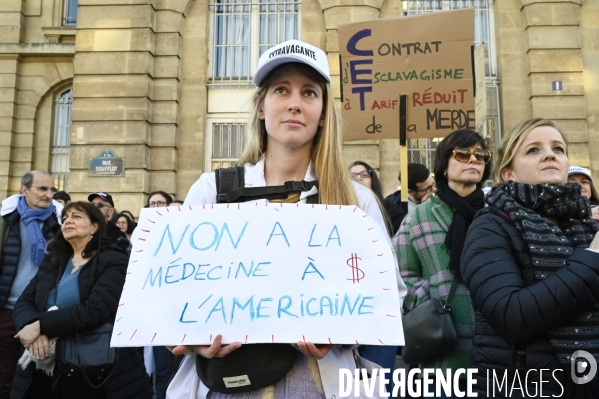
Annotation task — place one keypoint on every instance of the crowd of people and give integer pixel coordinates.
(63, 270)
(522, 256)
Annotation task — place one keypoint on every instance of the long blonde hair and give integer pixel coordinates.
(511, 142)
(334, 184)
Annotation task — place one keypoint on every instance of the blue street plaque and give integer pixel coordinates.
(557, 85)
(107, 164)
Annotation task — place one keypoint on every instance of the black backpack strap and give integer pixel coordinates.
(230, 187)
(313, 199)
(228, 180)
(244, 194)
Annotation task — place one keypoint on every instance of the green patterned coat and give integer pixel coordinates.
(424, 264)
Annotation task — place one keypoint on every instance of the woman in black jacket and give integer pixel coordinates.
(90, 272)
(533, 281)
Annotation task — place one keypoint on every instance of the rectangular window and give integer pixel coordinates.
(242, 30)
(62, 139)
(228, 141)
(423, 150)
(69, 15)
(483, 34)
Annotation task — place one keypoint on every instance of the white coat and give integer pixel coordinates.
(186, 384)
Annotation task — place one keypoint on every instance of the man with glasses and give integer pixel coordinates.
(421, 183)
(29, 220)
(103, 201)
(105, 204)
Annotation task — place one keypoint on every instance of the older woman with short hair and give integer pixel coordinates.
(533, 283)
(83, 275)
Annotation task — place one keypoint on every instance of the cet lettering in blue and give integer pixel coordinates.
(353, 41)
(354, 72)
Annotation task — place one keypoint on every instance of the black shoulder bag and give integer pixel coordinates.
(253, 366)
(428, 329)
(86, 354)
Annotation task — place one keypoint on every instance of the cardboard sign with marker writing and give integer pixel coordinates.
(259, 272)
(425, 57)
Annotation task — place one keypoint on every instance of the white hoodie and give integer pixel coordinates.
(10, 204)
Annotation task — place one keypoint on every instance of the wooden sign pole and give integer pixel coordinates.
(403, 150)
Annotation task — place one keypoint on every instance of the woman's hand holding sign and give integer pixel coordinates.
(217, 350)
(311, 350)
(214, 350)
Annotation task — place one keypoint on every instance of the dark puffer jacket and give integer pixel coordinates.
(514, 311)
(10, 239)
(101, 282)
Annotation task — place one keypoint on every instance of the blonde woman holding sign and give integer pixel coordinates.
(296, 134)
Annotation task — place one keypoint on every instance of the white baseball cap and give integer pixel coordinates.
(291, 51)
(579, 170)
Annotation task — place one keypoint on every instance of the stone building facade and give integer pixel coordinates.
(142, 79)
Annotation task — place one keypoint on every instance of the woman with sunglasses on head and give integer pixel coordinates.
(430, 239)
(364, 174)
(295, 134)
(533, 283)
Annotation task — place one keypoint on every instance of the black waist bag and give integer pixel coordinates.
(252, 366)
(248, 368)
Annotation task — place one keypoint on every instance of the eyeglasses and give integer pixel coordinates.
(100, 205)
(121, 223)
(45, 189)
(463, 154)
(363, 174)
(428, 189)
(155, 204)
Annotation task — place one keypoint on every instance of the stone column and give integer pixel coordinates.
(113, 90)
(11, 31)
(553, 45)
(165, 111)
(9, 65)
(12, 28)
(590, 60)
(513, 68)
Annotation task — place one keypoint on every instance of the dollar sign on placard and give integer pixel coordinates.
(357, 274)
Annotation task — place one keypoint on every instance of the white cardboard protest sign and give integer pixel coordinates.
(256, 273)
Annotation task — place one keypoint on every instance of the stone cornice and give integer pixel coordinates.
(32, 49)
(58, 34)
